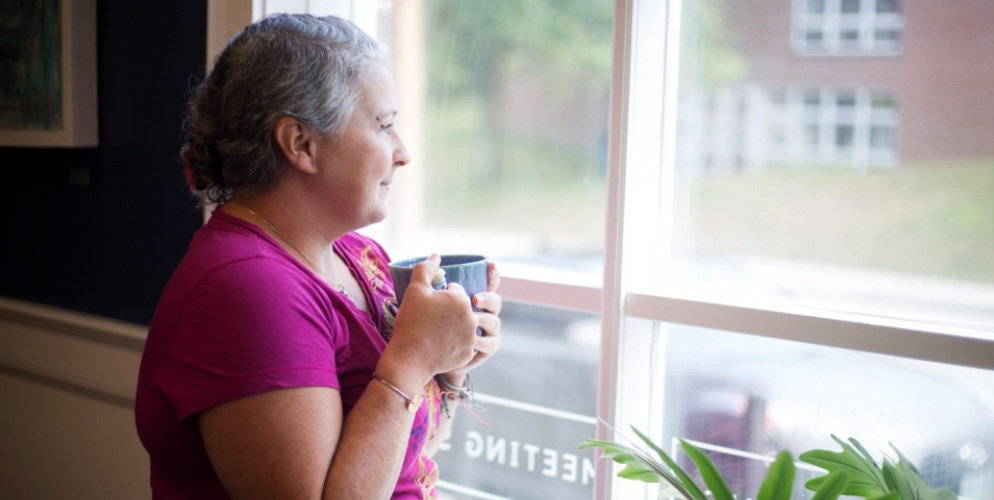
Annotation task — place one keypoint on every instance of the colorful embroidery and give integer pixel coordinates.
(426, 480)
(371, 268)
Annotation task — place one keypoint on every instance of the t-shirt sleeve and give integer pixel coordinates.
(250, 327)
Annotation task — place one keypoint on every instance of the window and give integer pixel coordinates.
(711, 250)
(861, 127)
(848, 27)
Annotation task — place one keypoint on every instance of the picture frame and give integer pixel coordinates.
(50, 98)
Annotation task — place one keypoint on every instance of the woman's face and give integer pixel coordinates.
(359, 168)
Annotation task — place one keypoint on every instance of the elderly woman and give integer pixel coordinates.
(277, 365)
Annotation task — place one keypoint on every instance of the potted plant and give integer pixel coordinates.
(851, 472)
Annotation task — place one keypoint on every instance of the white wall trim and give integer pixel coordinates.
(87, 355)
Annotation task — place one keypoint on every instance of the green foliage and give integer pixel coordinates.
(640, 466)
(710, 33)
(865, 478)
(833, 485)
(709, 473)
(851, 472)
(472, 45)
(779, 480)
(892, 481)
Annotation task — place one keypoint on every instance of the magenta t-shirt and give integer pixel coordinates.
(241, 316)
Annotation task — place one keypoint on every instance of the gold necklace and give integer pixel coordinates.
(341, 288)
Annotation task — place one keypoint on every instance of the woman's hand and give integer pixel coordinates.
(489, 343)
(435, 330)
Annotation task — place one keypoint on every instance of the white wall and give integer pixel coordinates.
(66, 406)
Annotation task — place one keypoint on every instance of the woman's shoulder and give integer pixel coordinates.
(230, 253)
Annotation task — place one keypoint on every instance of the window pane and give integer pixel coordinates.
(815, 6)
(515, 124)
(548, 361)
(875, 199)
(843, 136)
(759, 396)
(814, 37)
(888, 6)
(890, 36)
(849, 6)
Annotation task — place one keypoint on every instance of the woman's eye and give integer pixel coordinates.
(385, 126)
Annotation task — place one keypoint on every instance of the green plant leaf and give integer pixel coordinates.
(890, 496)
(865, 478)
(779, 481)
(693, 491)
(897, 482)
(709, 473)
(832, 486)
(637, 466)
(904, 479)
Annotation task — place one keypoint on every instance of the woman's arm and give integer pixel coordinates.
(294, 443)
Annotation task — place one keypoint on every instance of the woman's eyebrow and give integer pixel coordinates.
(381, 116)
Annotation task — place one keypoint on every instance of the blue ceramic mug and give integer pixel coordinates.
(470, 271)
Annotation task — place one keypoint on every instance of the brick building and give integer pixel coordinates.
(863, 83)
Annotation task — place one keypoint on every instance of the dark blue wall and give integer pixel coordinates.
(108, 246)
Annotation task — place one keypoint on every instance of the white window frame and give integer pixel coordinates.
(631, 285)
(644, 78)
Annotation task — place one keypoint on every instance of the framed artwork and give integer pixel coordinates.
(48, 88)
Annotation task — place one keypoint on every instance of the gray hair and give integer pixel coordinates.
(284, 65)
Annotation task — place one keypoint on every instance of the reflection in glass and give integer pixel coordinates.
(857, 184)
(548, 360)
(761, 395)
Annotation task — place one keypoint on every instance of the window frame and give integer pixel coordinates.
(644, 62)
(626, 295)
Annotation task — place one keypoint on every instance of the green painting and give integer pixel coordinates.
(31, 77)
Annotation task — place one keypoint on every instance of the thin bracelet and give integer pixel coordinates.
(449, 387)
(413, 404)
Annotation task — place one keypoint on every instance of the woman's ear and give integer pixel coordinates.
(297, 142)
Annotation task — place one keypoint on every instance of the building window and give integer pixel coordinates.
(836, 126)
(848, 27)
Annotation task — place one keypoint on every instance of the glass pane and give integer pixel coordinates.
(814, 37)
(890, 36)
(888, 6)
(815, 6)
(849, 6)
(849, 36)
(844, 136)
(755, 396)
(875, 199)
(539, 400)
(515, 131)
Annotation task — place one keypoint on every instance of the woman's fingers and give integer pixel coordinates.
(488, 301)
(493, 277)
